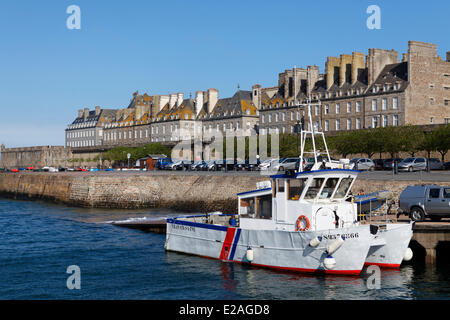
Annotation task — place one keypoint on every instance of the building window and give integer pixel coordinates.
(283, 115)
(317, 110)
(395, 103)
(338, 108)
(431, 101)
(395, 120)
(349, 124)
(270, 118)
(447, 102)
(447, 120)
(292, 116)
(384, 104)
(338, 124)
(327, 125)
(385, 121)
(349, 107)
(374, 122)
(431, 120)
(327, 109)
(358, 123)
(276, 117)
(263, 118)
(374, 105)
(358, 106)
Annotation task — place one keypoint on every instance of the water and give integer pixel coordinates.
(38, 241)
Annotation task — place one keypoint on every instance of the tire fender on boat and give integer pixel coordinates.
(302, 223)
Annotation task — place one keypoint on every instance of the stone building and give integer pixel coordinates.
(87, 129)
(356, 91)
(236, 115)
(359, 92)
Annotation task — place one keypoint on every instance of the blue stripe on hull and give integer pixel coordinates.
(236, 240)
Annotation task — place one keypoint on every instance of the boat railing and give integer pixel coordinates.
(382, 215)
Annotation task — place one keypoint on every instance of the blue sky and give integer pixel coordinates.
(48, 72)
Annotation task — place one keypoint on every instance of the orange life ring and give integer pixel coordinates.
(299, 223)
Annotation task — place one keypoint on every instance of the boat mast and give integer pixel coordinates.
(312, 132)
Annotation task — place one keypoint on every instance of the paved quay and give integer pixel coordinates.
(428, 177)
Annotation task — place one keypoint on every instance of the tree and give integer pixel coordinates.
(442, 140)
(411, 138)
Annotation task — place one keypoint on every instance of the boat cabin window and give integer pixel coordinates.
(256, 207)
(343, 187)
(314, 188)
(328, 188)
(295, 188)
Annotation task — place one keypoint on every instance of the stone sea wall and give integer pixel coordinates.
(187, 193)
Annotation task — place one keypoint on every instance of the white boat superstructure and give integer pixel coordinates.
(298, 221)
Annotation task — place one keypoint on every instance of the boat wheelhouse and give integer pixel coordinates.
(318, 196)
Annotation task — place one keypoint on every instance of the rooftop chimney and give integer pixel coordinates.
(180, 97)
(173, 99)
(345, 69)
(80, 113)
(358, 66)
(198, 101)
(404, 57)
(86, 113)
(97, 110)
(331, 70)
(213, 97)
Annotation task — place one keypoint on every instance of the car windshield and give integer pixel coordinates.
(407, 160)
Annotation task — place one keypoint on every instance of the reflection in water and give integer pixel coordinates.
(261, 283)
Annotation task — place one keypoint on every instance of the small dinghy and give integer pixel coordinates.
(370, 202)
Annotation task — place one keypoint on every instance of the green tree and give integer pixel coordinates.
(442, 140)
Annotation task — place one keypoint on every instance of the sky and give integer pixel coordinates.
(48, 72)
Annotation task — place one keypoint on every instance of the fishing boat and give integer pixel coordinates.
(299, 221)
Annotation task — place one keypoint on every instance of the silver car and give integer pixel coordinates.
(413, 164)
(421, 201)
(363, 164)
(287, 164)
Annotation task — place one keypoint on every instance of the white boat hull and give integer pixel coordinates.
(271, 248)
(389, 246)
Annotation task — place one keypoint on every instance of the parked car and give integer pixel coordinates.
(378, 164)
(196, 166)
(240, 165)
(363, 164)
(423, 201)
(161, 163)
(435, 164)
(413, 164)
(447, 165)
(287, 164)
(266, 164)
(388, 164)
(178, 165)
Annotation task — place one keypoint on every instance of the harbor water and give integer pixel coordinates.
(39, 241)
